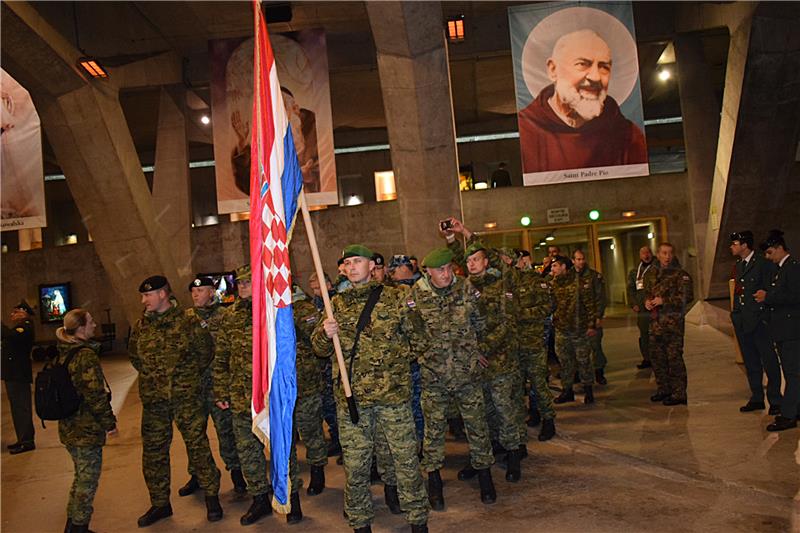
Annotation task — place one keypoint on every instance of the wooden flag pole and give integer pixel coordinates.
(337, 346)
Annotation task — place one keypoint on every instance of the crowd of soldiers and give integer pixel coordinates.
(461, 340)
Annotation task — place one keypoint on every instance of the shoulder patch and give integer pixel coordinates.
(311, 318)
(543, 285)
(685, 278)
(509, 295)
(203, 323)
(411, 303)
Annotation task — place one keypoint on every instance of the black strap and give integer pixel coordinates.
(363, 322)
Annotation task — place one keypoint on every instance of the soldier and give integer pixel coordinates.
(783, 299)
(208, 311)
(575, 319)
(636, 297)
(451, 372)
(381, 385)
(753, 273)
(233, 379)
(599, 287)
(17, 374)
(171, 351)
(84, 432)
(310, 387)
(669, 293)
(379, 273)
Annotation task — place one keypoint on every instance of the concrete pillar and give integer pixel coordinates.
(415, 83)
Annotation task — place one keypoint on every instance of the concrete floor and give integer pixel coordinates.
(623, 464)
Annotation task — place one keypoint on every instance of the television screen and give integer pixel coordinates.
(54, 301)
(224, 286)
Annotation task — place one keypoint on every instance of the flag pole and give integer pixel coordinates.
(337, 346)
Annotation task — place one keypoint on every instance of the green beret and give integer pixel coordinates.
(474, 248)
(243, 272)
(357, 250)
(437, 258)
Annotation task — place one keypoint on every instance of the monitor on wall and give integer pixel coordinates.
(224, 286)
(55, 299)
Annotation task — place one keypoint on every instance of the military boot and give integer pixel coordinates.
(317, 483)
(68, 526)
(213, 509)
(239, 484)
(467, 473)
(435, 495)
(513, 471)
(392, 499)
(419, 528)
(534, 418)
(600, 376)
(365, 529)
(548, 430)
(296, 514)
(191, 486)
(567, 395)
(259, 508)
(488, 494)
(75, 528)
(588, 394)
(154, 514)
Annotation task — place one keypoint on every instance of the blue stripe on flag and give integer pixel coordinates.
(282, 396)
(291, 180)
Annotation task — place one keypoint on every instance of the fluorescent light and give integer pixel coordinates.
(480, 185)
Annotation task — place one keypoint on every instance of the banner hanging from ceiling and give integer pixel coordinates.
(301, 58)
(21, 170)
(579, 103)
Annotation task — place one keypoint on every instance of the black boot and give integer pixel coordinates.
(365, 529)
(548, 430)
(239, 484)
(317, 483)
(213, 509)
(191, 486)
(392, 499)
(523, 451)
(259, 508)
(75, 528)
(68, 526)
(334, 448)
(600, 376)
(488, 494)
(419, 528)
(435, 495)
(467, 473)
(534, 418)
(588, 395)
(568, 395)
(296, 514)
(513, 471)
(154, 514)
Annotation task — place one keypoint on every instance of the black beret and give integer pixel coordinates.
(378, 258)
(204, 281)
(23, 305)
(153, 283)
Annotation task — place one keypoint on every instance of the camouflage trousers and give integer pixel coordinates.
(598, 356)
(308, 421)
(416, 402)
(574, 351)
(223, 425)
(469, 402)
(358, 443)
(533, 362)
(251, 454)
(666, 355)
(157, 418)
(383, 459)
(87, 461)
(328, 403)
(502, 411)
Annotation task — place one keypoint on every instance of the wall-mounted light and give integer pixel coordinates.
(612, 246)
(354, 199)
(455, 29)
(664, 74)
(650, 235)
(490, 225)
(71, 238)
(594, 214)
(525, 220)
(628, 214)
(92, 67)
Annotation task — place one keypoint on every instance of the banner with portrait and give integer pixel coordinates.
(579, 103)
(21, 170)
(302, 62)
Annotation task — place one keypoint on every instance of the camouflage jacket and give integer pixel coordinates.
(380, 371)
(576, 304)
(674, 286)
(535, 299)
(88, 426)
(233, 362)
(171, 351)
(309, 366)
(496, 328)
(446, 341)
(211, 316)
(598, 286)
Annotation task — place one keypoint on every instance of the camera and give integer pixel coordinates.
(445, 225)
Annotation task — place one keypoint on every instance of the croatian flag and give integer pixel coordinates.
(275, 182)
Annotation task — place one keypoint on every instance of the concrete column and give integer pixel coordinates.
(415, 83)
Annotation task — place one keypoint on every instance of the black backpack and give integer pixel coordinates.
(55, 396)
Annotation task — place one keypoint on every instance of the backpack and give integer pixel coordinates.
(55, 396)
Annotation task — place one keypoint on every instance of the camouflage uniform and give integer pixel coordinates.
(310, 386)
(233, 381)
(84, 433)
(328, 403)
(674, 286)
(212, 316)
(576, 312)
(599, 360)
(171, 351)
(449, 368)
(381, 384)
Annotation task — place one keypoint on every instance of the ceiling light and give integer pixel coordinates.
(205, 120)
(542, 243)
(455, 29)
(93, 67)
(664, 74)
(550, 237)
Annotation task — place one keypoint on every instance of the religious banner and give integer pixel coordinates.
(302, 62)
(579, 103)
(21, 170)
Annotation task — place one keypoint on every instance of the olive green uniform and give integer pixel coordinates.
(576, 312)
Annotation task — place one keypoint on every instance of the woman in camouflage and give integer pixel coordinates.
(84, 432)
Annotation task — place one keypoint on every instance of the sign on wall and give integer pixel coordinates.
(21, 171)
(579, 103)
(302, 62)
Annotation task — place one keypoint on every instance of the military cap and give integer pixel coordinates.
(745, 237)
(357, 250)
(153, 283)
(561, 259)
(378, 258)
(23, 306)
(400, 260)
(243, 273)
(437, 258)
(474, 248)
(775, 238)
(204, 281)
(522, 253)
